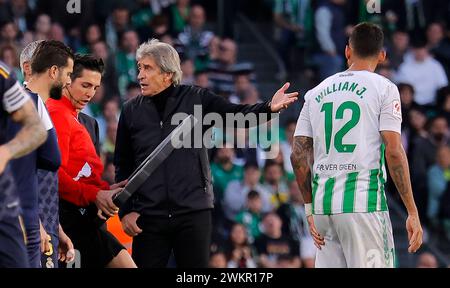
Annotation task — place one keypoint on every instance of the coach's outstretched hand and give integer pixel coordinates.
(282, 100)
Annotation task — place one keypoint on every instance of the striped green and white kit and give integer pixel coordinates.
(344, 116)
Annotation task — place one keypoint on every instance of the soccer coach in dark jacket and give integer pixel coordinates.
(172, 209)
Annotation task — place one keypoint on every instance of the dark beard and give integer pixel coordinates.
(56, 92)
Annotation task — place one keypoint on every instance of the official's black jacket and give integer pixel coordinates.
(182, 183)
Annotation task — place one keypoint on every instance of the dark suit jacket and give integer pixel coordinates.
(91, 126)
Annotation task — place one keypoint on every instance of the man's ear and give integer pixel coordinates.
(382, 56)
(168, 77)
(26, 69)
(348, 52)
(53, 72)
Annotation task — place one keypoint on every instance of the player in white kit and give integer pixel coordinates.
(347, 124)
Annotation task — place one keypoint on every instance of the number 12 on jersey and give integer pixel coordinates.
(327, 108)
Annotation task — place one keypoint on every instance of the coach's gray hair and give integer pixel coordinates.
(164, 55)
(27, 53)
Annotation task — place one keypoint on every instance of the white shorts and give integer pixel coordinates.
(355, 240)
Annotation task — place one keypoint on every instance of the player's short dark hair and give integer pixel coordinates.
(88, 62)
(50, 53)
(367, 40)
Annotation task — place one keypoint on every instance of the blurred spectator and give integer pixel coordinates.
(286, 146)
(42, 27)
(275, 184)
(251, 216)
(90, 36)
(201, 79)
(294, 221)
(21, 14)
(110, 113)
(242, 84)
(222, 70)
(217, 260)
(407, 100)
(100, 50)
(155, 28)
(238, 250)
(385, 71)
(116, 24)
(160, 26)
(397, 48)
(224, 171)
(158, 6)
(275, 249)
(236, 192)
(110, 140)
(214, 48)
(195, 39)
(434, 34)
(443, 102)
(410, 15)
(57, 33)
(423, 72)
(438, 177)
(143, 14)
(439, 44)
(414, 130)
(330, 27)
(133, 90)
(166, 38)
(294, 21)
(126, 60)
(251, 96)
(423, 157)
(8, 54)
(9, 34)
(109, 173)
(427, 260)
(187, 67)
(178, 15)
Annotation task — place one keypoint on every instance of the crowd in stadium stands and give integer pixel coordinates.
(259, 219)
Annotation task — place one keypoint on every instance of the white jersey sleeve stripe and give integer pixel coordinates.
(19, 98)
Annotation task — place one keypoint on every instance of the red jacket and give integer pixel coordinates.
(81, 168)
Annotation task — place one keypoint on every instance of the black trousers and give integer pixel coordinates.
(187, 235)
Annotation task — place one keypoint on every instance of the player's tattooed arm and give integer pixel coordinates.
(398, 166)
(302, 159)
(399, 169)
(32, 134)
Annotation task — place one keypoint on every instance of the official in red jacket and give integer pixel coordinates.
(80, 183)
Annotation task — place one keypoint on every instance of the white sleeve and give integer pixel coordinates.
(14, 98)
(391, 110)
(441, 77)
(304, 127)
(43, 114)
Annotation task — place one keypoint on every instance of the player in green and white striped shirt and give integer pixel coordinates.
(346, 125)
